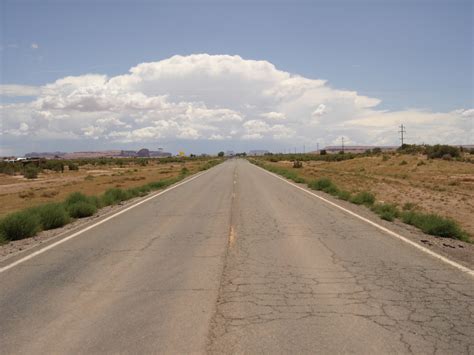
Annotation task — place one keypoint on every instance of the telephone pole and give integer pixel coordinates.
(402, 131)
(342, 141)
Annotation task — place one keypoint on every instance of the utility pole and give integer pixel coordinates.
(402, 131)
(317, 147)
(342, 140)
(304, 148)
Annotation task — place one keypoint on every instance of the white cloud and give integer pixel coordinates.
(274, 116)
(215, 97)
(34, 46)
(12, 90)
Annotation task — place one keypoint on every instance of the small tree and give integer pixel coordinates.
(220, 154)
(31, 172)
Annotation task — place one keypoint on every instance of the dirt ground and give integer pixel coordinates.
(17, 192)
(435, 186)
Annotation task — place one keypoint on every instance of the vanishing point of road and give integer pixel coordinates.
(235, 261)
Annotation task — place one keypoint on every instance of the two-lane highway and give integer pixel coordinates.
(235, 261)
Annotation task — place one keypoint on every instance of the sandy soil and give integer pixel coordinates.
(17, 193)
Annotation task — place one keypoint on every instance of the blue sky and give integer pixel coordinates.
(409, 54)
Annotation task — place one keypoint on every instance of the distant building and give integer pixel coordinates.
(258, 152)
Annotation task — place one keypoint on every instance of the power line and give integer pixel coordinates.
(402, 131)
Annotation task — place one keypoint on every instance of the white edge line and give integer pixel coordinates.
(51, 246)
(378, 226)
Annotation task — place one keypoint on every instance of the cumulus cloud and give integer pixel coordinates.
(34, 46)
(274, 115)
(215, 98)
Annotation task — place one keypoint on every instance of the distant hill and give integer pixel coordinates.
(145, 153)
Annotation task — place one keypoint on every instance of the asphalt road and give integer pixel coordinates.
(235, 261)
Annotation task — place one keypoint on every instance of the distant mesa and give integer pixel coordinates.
(142, 153)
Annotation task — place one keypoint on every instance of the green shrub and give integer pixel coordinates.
(299, 180)
(52, 215)
(54, 165)
(386, 211)
(320, 184)
(139, 191)
(7, 168)
(404, 162)
(385, 157)
(435, 225)
(20, 225)
(30, 172)
(442, 151)
(411, 149)
(76, 197)
(343, 195)
(363, 198)
(73, 166)
(96, 201)
(156, 185)
(81, 209)
(115, 196)
(324, 184)
(184, 171)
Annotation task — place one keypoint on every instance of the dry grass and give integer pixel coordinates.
(434, 186)
(17, 192)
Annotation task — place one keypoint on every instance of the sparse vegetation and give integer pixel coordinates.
(324, 184)
(442, 151)
(435, 225)
(114, 196)
(386, 211)
(363, 198)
